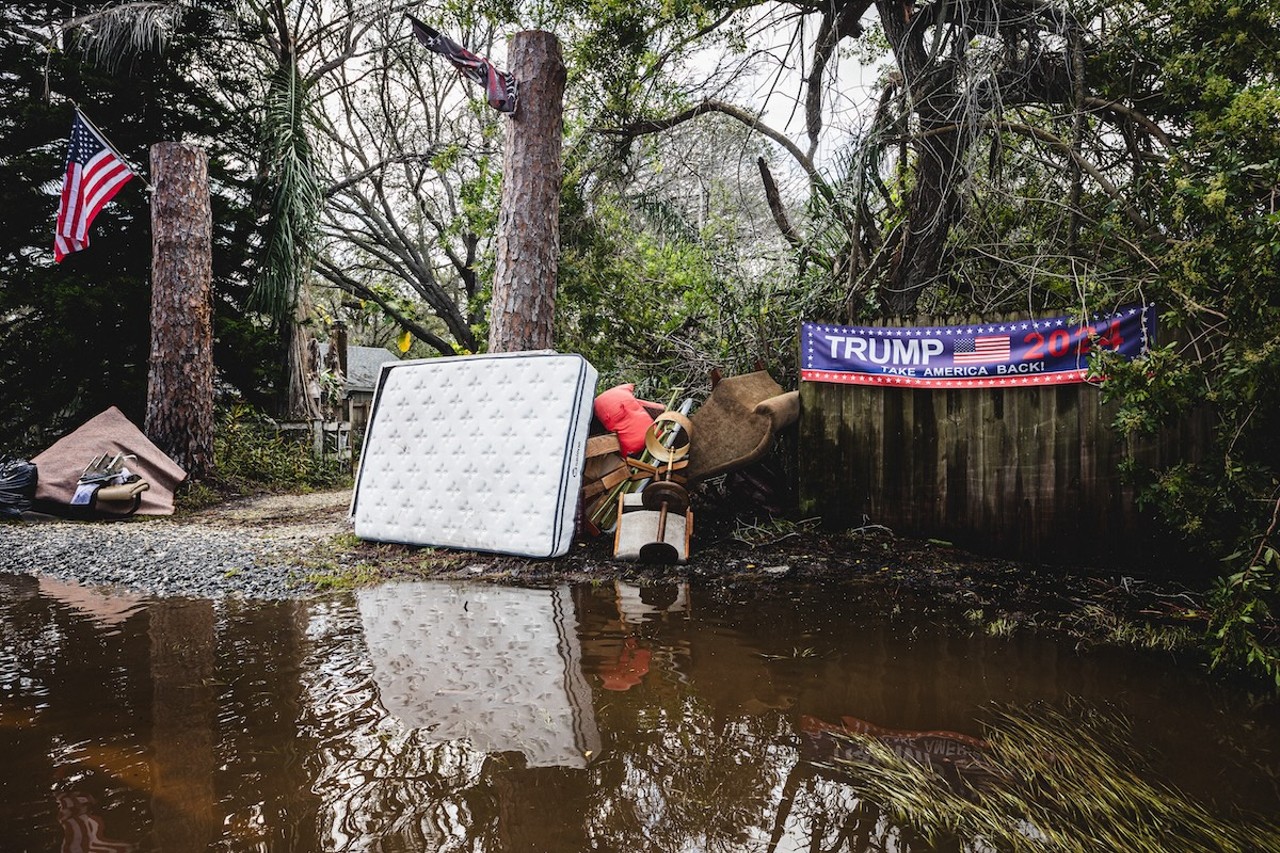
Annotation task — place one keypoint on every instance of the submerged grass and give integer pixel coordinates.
(346, 562)
(1092, 624)
(1050, 781)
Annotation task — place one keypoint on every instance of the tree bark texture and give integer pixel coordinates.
(934, 203)
(528, 248)
(302, 366)
(180, 379)
(933, 206)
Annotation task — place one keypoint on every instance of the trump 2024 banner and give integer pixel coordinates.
(1053, 351)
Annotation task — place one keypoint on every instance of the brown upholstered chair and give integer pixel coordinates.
(736, 424)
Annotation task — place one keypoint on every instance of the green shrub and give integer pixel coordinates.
(252, 453)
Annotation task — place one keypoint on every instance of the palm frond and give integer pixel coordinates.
(296, 197)
(665, 217)
(110, 35)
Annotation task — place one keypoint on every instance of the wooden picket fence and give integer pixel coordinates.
(1031, 472)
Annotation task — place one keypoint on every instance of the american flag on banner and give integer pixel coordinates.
(499, 87)
(987, 349)
(95, 173)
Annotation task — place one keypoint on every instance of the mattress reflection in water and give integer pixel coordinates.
(500, 667)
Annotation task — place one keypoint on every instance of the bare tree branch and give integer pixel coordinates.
(374, 168)
(351, 285)
(775, 206)
(1133, 115)
(836, 24)
(650, 126)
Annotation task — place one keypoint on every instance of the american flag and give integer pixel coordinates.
(981, 350)
(94, 175)
(499, 88)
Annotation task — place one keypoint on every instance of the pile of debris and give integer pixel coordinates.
(104, 469)
(517, 453)
(643, 459)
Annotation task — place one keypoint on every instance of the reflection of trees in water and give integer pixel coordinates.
(403, 792)
(183, 713)
(700, 761)
(265, 800)
(684, 778)
(819, 810)
(68, 718)
(687, 779)
(691, 779)
(31, 642)
(824, 812)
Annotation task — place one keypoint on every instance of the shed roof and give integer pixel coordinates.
(363, 366)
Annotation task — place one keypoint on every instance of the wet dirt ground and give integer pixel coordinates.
(745, 557)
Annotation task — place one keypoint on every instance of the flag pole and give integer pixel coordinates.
(107, 142)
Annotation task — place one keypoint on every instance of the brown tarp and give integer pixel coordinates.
(60, 466)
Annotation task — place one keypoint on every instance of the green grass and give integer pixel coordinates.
(1065, 781)
(343, 578)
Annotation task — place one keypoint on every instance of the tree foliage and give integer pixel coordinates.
(74, 337)
(670, 265)
(1214, 79)
(412, 162)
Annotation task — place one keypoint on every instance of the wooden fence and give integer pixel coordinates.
(1031, 472)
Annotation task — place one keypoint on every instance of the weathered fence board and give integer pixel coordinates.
(1028, 472)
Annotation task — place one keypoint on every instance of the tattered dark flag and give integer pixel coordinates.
(499, 87)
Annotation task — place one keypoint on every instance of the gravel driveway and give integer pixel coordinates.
(253, 548)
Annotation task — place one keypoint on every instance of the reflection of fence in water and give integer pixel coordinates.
(958, 758)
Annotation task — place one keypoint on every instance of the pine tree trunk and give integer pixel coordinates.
(528, 246)
(180, 380)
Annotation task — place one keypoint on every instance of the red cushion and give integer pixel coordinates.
(620, 412)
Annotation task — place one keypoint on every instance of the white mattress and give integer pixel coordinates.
(498, 666)
(481, 453)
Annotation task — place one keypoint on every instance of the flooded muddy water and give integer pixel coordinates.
(453, 717)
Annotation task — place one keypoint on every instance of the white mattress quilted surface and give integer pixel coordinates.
(478, 453)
